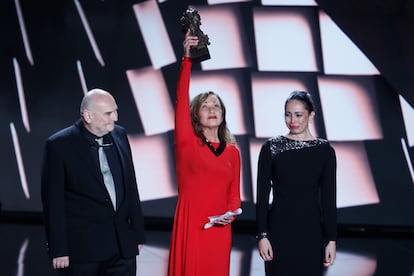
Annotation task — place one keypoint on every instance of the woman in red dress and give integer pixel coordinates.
(208, 175)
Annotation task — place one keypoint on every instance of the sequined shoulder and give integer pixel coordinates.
(279, 144)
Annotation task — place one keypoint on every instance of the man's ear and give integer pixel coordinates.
(86, 115)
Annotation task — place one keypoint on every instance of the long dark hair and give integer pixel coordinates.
(224, 133)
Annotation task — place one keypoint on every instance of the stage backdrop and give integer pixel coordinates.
(52, 52)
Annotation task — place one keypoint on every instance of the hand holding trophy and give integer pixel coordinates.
(191, 20)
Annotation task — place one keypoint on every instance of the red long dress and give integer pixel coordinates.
(207, 185)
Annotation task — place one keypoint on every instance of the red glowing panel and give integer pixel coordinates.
(340, 54)
(155, 34)
(355, 183)
(223, 25)
(255, 146)
(284, 41)
(149, 90)
(153, 161)
(349, 108)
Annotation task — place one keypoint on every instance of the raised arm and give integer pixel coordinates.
(183, 126)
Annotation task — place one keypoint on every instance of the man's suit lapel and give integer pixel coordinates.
(120, 147)
(82, 148)
(123, 156)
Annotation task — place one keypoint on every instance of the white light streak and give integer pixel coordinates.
(89, 33)
(407, 157)
(19, 159)
(82, 77)
(24, 32)
(408, 118)
(22, 255)
(20, 92)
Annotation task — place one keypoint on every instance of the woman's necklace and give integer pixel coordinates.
(216, 151)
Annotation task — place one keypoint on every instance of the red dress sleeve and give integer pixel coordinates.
(234, 193)
(183, 127)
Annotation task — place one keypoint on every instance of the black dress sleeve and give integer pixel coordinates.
(328, 196)
(264, 172)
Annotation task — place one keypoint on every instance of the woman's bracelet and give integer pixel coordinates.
(261, 236)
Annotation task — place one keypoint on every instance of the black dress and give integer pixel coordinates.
(302, 215)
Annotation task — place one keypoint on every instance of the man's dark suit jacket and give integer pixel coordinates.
(79, 218)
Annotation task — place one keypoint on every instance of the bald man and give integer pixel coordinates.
(92, 227)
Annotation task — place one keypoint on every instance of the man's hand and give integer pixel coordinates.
(60, 262)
